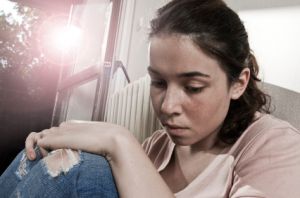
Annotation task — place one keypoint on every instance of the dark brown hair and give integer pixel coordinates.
(220, 33)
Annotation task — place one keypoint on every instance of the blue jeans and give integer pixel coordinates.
(91, 177)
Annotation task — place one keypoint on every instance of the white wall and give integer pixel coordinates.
(274, 38)
(273, 27)
(132, 48)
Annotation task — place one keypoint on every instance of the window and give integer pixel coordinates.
(84, 80)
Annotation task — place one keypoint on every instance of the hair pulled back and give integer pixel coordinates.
(220, 33)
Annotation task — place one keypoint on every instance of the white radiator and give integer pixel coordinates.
(131, 107)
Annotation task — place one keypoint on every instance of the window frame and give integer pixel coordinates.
(100, 72)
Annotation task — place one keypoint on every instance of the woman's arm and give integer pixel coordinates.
(133, 171)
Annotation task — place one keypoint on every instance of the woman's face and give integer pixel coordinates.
(189, 90)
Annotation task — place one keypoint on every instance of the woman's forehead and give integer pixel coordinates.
(174, 54)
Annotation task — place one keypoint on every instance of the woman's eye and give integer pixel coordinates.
(158, 83)
(192, 90)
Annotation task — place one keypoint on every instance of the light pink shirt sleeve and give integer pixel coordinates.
(270, 167)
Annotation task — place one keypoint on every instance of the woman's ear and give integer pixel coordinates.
(239, 86)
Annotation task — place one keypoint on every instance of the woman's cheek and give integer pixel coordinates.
(155, 98)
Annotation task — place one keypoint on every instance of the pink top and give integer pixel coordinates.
(264, 162)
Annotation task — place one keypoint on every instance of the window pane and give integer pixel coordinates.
(93, 18)
(81, 102)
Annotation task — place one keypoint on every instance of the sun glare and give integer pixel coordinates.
(66, 38)
(59, 39)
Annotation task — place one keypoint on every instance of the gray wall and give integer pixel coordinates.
(259, 4)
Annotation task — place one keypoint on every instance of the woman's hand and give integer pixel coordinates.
(129, 162)
(31, 143)
(93, 137)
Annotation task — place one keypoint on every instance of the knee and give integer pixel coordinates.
(61, 161)
(24, 165)
(64, 160)
(93, 160)
(96, 169)
(96, 164)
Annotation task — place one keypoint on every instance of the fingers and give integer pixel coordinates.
(64, 136)
(52, 142)
(67, 135)
(30, 144)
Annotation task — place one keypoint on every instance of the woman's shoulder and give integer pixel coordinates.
(269, 149)
(270, 121)
(267, 135)
(269, 126)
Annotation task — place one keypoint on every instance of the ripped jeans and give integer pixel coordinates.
(90, 176)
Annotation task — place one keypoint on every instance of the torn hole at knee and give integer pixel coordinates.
(61, 161)
(22, 169)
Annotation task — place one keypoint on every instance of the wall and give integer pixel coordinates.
(259, 4)
(274, 37)
(132, 47)
(273, 28)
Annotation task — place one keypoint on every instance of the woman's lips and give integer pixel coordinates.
(174, 129)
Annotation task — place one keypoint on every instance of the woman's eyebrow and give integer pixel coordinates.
(193, 74)
(182, 75)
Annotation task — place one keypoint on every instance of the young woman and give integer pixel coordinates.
(218, 139)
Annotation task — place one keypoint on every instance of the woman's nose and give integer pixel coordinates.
(171, 104)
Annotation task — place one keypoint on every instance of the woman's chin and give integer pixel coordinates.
(179, 138)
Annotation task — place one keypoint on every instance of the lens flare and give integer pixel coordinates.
(66, 38)
(59, 40)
